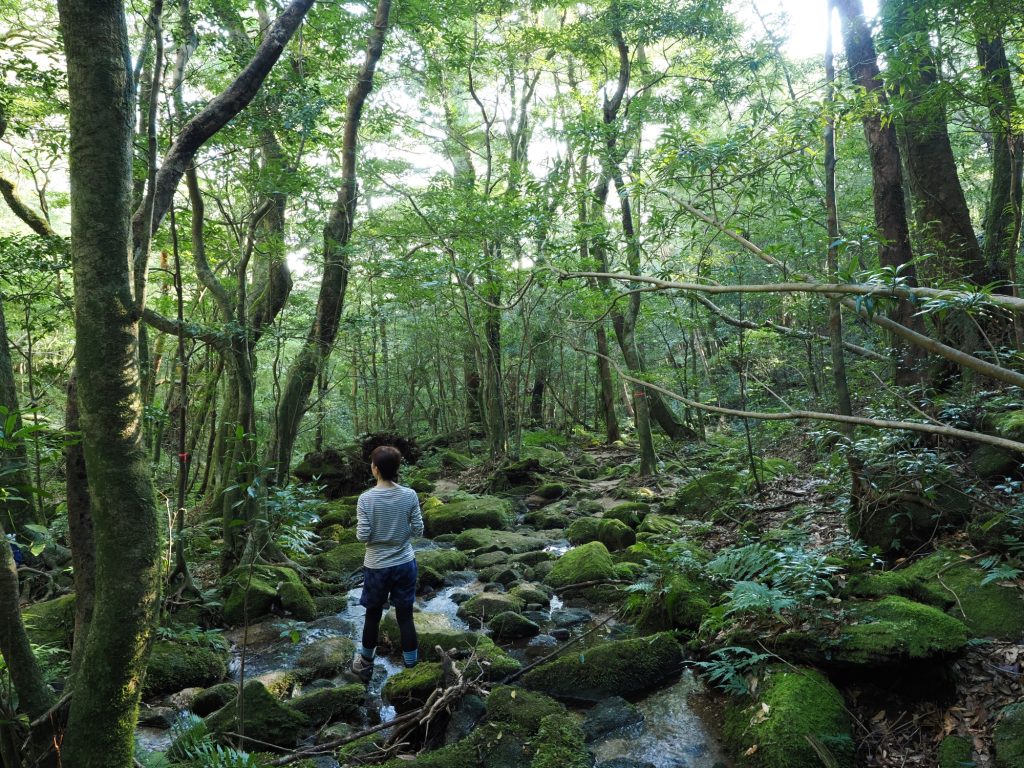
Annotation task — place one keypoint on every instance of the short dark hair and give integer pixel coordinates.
(387, 459)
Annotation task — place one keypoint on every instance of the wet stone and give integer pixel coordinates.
(471, 708)
(561, 634)
(157, 717)
(537, 617)
(610, 715)
(541, 645)
(459, 578)
(625, 762)
(460, 597)
(570, 617)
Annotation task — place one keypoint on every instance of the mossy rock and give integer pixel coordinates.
(530, 594)
(639, 553)
(588, 562)
(682, 603)
(175, 666)
(338, 513)
(629, 571)
(51, 623)
(338, 534)
(266, 718)
(341, 561)
(434, 630)
(990, 462)
(613, 534)
(442, 560)
(330, 605)
(454, 460)
(988, 610)
(326, 657)
(547, 518)
(623, 668)
(632, 513)
(1008, 736)
(268, 587)
(560, 744)
(479, 512)
(489, 559)
(896, 525)
(657, 526)
(552, 491)
(588, 507)
(894, 629)
(326, 704)
(521, 708)
(410, 688)
(485, 605)
(955, 752)
(484, 540)
(548, 458)
(797, 712)
(531, 558)
(512, 626)
(996, 530)
(706, 493)
(213, 698)
(492, 745)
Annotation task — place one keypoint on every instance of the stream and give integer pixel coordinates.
(671, 735)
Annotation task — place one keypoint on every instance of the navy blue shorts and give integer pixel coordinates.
(397, 583)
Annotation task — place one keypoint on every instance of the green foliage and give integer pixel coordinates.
(729, 668)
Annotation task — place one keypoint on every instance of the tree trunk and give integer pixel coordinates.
(105, 698)
(887, 180)
(80, 526)
(320, 340)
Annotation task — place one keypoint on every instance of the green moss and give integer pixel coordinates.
(442, 560)
(955, 752)
(455, 460)
(895, 629)
(613, 534)
(267, 587)
(559, 744)
(521, 708)
(530, 594)
(589, 562)
(326, 657)
(477, 512)
(51, 623)
(338, 513)
(485, 605)
(484, 540)
(175, 666)
(552, 491)
(632, 513)
(706, 493)
(548, 458)
(623, 668)
(945, 581)
(1008, 737)
(213, 698)
(342, 560)
(639, 553)
(266, 718)
(338, 534)
(512, 626)
(434, 630)
(491, 745)
(796, 711)
(327, 704)
(682, 603)
(659, 525)
(628, 571)
(410, 688)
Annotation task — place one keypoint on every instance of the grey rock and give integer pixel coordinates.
(570, 617)
(471, 708)
(610, 715)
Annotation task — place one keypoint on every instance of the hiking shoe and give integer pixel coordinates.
(362, 667)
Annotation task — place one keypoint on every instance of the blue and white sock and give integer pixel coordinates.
(410, 657)
(367, 653)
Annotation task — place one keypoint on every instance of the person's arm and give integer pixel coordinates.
(416, 518)
(363, 527)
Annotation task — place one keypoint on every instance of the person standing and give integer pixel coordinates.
(388, 517)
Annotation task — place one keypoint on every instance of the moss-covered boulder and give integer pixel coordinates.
(337, 512)
(256, 591)
(410, 688)
(797, 713)
(586, 563)
(512, 626)
(548, 458)
(897, 524)
(654, 527)
(947, 581)
(489, 559)
(213, 698)
(175, 666)
(530, 594)
(623, 667)
(681, 603)
(552, 491)
(341, 561)
(894, 629)
(482, 607)
(442, 560)
(992, 462)
(522, 708)
(325, 657)
(955, 752)
(482, 540)
(52, 622)
(615, 535)
(706, 494)
(560, 744)
(326, 704)
(1008, 736)
(632, 513)
(266, 718)
(478, 512)
(435, 631)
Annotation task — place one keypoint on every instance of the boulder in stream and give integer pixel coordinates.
(254, 591)
(174, 666)
(613, 534)
(326, 704)
(326, 657)
(266, 718)
(586, 563)
(623, 668)
(488, 512)
(512, 626)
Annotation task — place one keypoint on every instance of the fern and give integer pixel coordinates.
(753, 597)
(729, 667)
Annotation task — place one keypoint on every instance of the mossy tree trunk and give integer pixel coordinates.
(106, 691)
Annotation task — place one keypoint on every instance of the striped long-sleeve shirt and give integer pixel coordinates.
(387, 519)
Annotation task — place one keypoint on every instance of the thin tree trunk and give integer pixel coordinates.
(80, 526)
(106, 690)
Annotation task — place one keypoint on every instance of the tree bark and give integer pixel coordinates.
(886, 176)
(319, 341)
(106, 691)
(80, 525)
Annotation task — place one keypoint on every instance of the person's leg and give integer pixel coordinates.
(371, 628)
(373, 598)
(403, 595)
